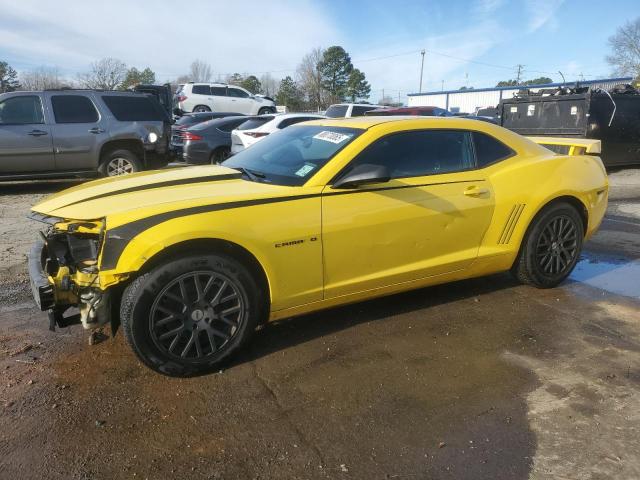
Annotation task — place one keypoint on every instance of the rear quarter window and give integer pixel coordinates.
(127, 108)
(489, 149)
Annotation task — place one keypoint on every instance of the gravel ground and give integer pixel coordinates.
(477, 379)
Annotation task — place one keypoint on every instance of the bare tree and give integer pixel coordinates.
(269, 85)
(200, 71)
(105, 74)
(310, 80)
(625, 49)
(42, 78)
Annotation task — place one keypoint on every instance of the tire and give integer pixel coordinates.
(265, 110)
(119, 162)
(220, 155)
(201, 108)
(175, 328)
(551, 247)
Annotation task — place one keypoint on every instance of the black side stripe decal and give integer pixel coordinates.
(168, 183)
(118, 238)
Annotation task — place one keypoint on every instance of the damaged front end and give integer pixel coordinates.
(63, 268)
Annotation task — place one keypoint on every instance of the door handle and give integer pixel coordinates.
(37, 133)
(96, 130)
(475, 191)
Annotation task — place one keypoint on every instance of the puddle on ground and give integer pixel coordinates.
(615, 275)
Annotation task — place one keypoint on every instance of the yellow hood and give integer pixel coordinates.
(142, 193)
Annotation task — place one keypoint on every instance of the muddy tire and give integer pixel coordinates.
(119, 162)
(551, 247)
(187, 315)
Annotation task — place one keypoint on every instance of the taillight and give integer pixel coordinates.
(257, 134)
(181, 98)
(190, 136)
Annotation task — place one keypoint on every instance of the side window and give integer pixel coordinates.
(219, 91)
(201, 90)
(73, 109)
(489, 150)
(134, 108)
(21, 110)
(236, 92)
(421, 152)
(358, 111)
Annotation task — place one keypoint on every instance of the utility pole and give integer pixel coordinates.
(520, 67)
(398, 97)
(421, 69)
(442, 87)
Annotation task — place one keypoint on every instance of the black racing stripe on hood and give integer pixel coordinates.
(117, 239)
(168, 183)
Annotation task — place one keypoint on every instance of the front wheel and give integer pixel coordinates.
(551, 247)
(265, 111)
(187, 315)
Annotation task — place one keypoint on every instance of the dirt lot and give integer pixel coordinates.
(482, 379)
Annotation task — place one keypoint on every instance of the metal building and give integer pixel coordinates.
(468, 101)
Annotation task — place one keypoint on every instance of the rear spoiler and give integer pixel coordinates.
(569, 146)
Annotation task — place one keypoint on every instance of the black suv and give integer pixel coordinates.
(59, 133)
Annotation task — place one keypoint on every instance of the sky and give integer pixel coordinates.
(467, 43)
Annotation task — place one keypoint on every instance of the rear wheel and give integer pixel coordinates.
(187, 315)
(220, 155)
(119, 162)
(551, 248)
(201, 108)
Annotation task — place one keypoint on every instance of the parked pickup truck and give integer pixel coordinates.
(62, 133)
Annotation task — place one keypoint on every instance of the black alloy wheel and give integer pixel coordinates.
(551, 247)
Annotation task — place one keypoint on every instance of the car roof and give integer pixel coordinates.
(368, 122)
(355, 105)
(281, 116)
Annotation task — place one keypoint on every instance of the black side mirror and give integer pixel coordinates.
(362, 175)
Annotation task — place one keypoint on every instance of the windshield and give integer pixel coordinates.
(291, 156)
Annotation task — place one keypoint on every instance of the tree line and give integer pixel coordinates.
(323, 77)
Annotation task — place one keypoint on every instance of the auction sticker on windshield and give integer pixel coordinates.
(333, 137)
(306, 168)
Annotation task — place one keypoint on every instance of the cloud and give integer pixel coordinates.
(166, 36)
(487, 7)
(541, 13)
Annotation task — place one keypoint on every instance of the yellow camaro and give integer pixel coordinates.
(323, 213)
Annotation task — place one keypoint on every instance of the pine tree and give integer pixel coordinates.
(357, 86)
(8, 78)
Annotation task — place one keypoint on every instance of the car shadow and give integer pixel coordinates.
(283, 334)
